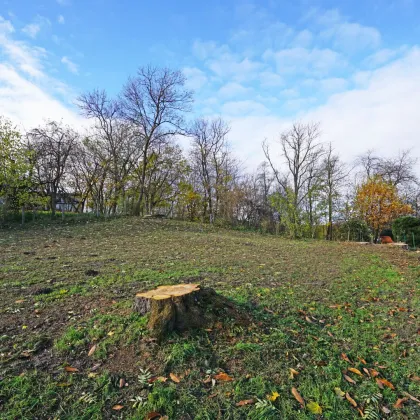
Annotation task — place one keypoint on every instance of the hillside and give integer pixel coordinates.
(323, 318)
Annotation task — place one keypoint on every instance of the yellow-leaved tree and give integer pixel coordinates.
(378, 203)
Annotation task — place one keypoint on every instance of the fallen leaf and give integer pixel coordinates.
(350, 400)
(273, 396)
(95, 367)
(314, 408)
(161, 379)
(415, 378)
(71, 369)
(62, 384)
(92, 350)
(152, 415)
(411, 397)
(366, 371)
(373, 372)
(356, 371)
(293, 372)
(386, 410)
(362, 360)
(117, 407)
(379, 383)
(298, 397)
(400, 402)
(174, 378)
(244, 402)
(348, 379)
(122, 383)
(20, 301)
(339, 392)
(384, 382)
(308, 320)
(344, 357)
(222, 376)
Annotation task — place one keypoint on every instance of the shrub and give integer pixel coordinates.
(407, 229)
(353, 230)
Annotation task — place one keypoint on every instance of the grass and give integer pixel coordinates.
(67, 293)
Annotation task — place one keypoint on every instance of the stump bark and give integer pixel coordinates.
(181, 307)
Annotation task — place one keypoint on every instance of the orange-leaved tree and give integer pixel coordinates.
(378, 203)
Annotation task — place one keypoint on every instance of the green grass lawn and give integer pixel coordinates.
(337, 323)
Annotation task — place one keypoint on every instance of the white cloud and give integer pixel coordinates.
(326, 17)
(270, 79)
(352, 36)
(328, 85)
(27, 104)
(63, 2)
(27, 93)
(232, 89)
(60, 19)
(299, 105)
(341, 32)
(32, 29)
(383, 56)
(247, 107)
(196, 78)
(71, 66)
(206, 49)
(6, 27)
(383, 114)
(289, 93)
(302, 60)
(227, 65)
(303, 39)
(27, 58)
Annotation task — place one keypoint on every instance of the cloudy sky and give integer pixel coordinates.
(354, 66)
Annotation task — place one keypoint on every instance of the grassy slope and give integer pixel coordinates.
(309, 302)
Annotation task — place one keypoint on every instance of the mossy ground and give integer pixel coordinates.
(68, 288)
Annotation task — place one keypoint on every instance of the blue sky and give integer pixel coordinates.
(352, 65)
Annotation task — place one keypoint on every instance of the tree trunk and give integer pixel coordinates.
(53, 202)
(181, 307)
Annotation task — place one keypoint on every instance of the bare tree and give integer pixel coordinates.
(301, 150)
(334, 173)
(117, 145)
(154, 101)
(52, 144)
(369, 163)
(398, 170)
(210, 156)
(313, 188)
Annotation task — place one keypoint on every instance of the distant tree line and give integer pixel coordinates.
(129, 162)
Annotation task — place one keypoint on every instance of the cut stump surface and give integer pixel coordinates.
(181, 307)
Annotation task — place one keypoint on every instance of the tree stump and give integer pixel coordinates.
(181, 307)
